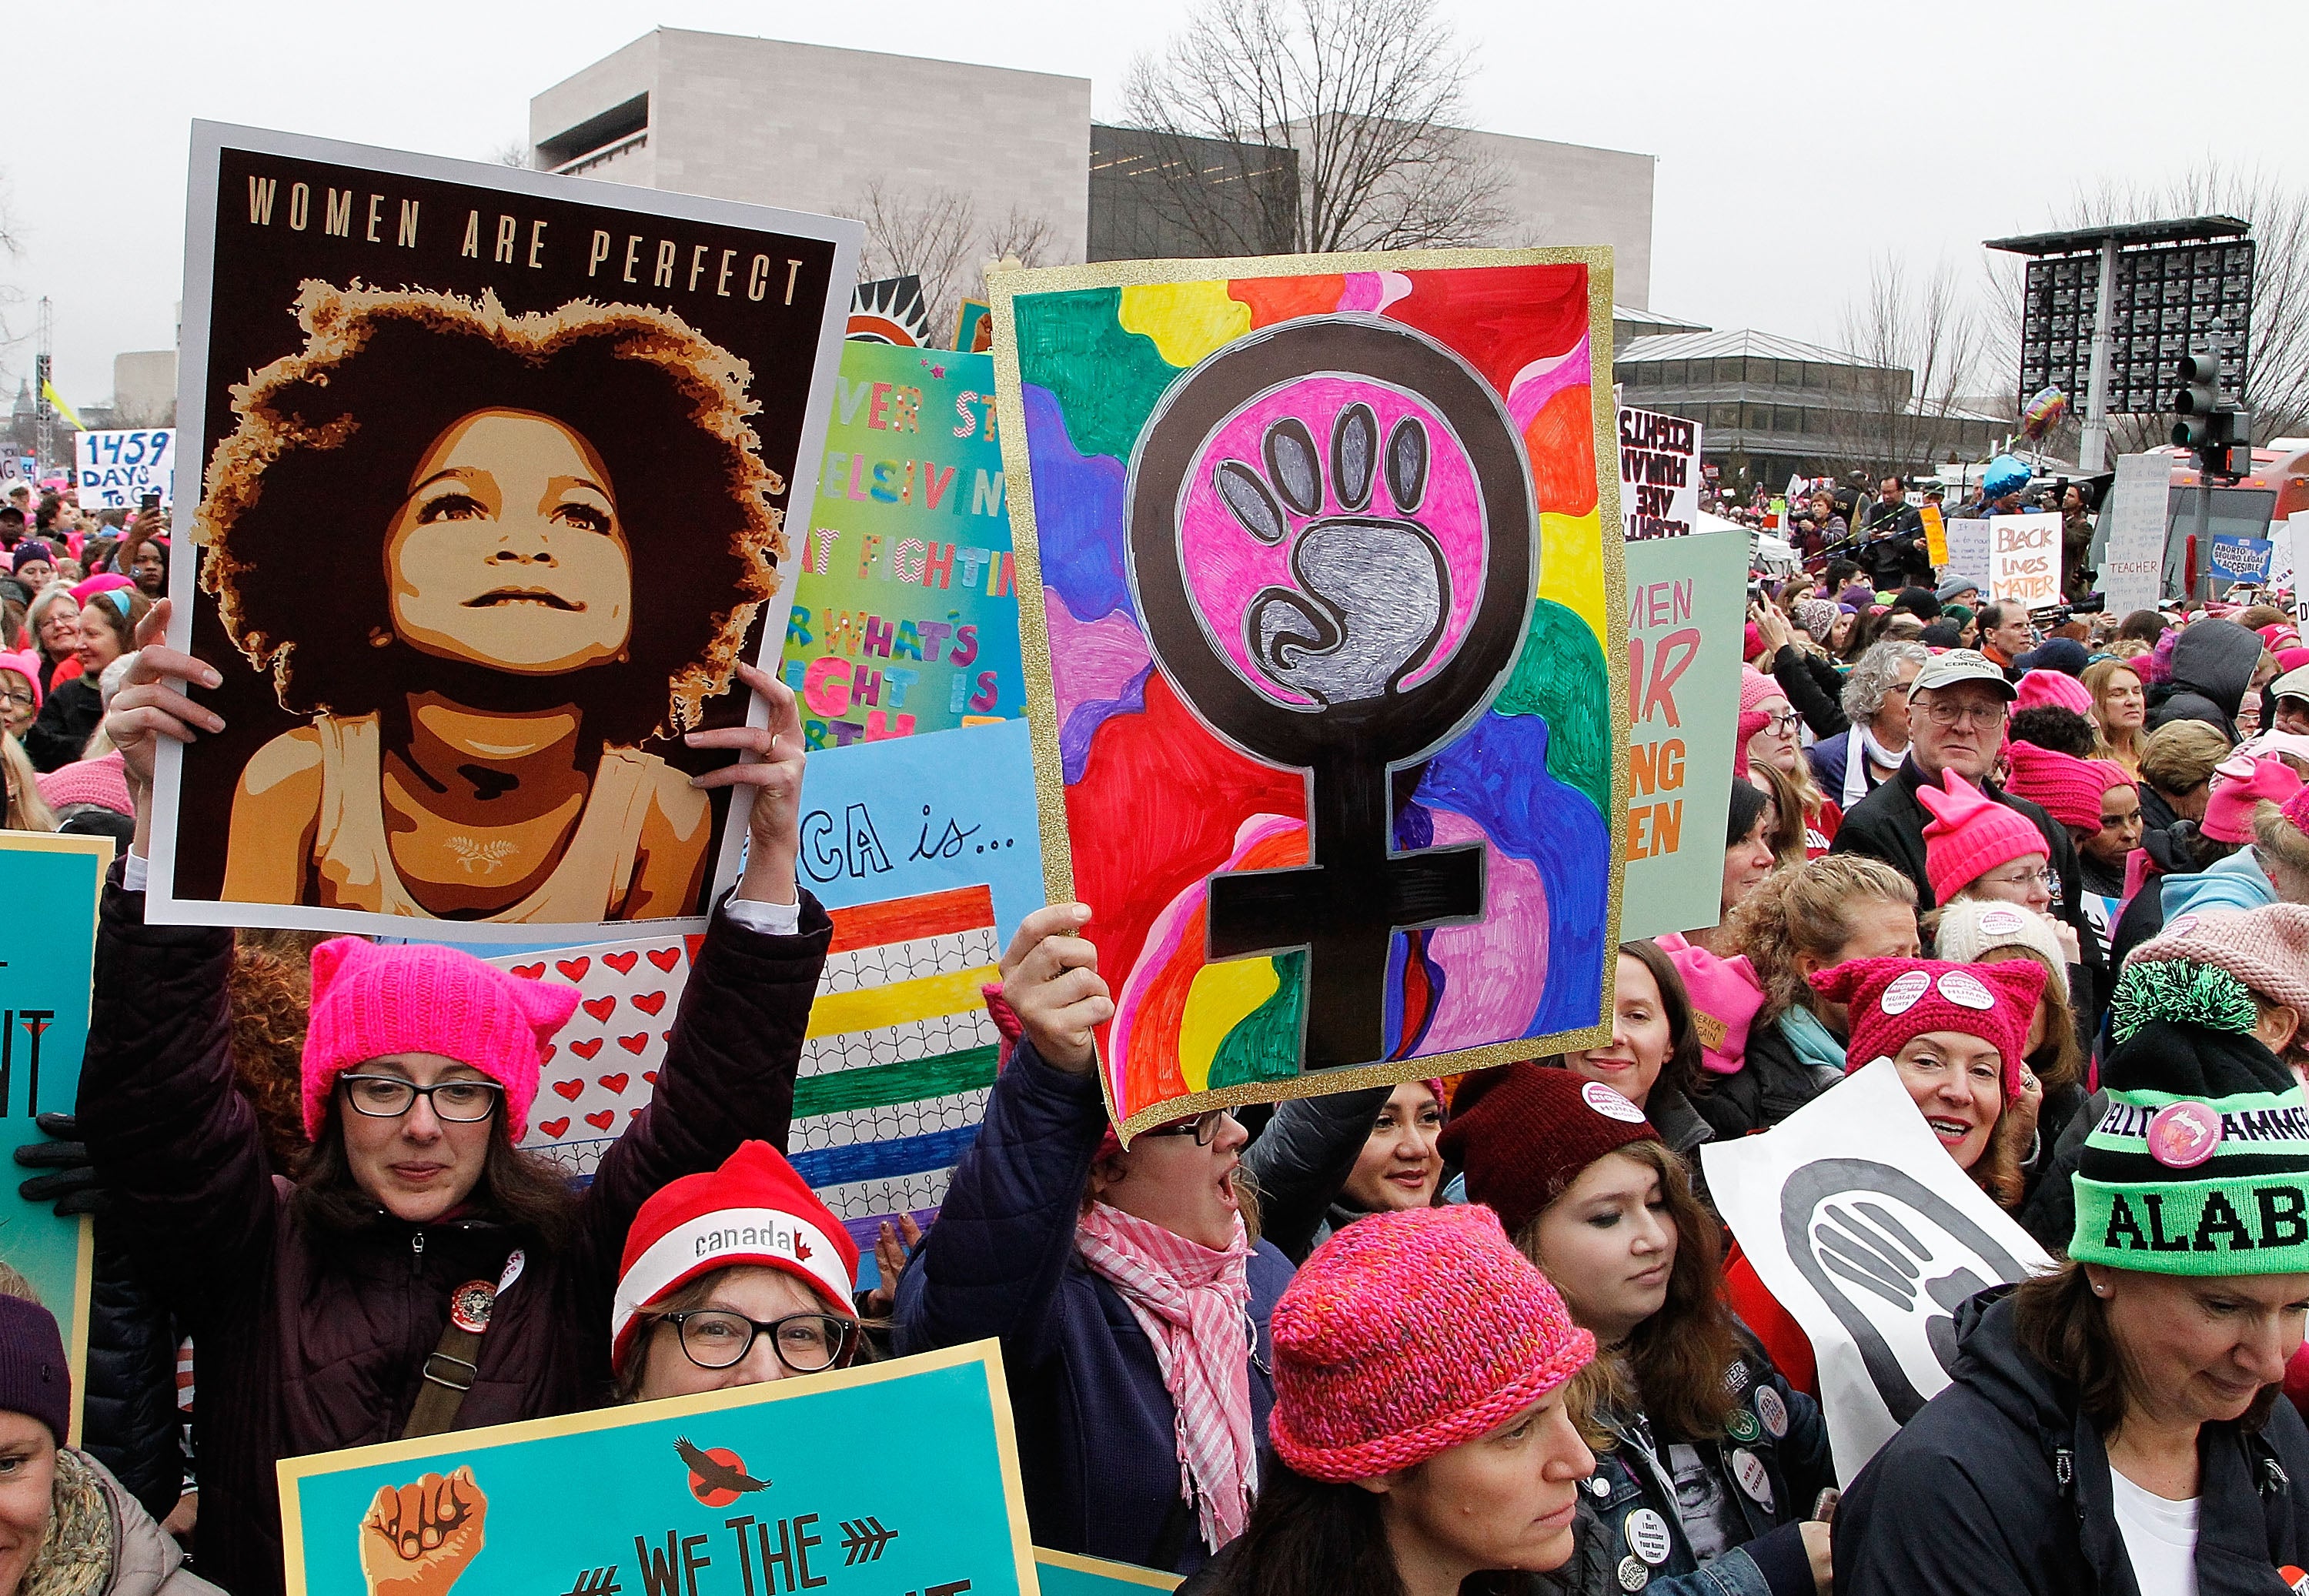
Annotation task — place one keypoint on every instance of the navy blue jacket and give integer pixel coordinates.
(1097, 1439)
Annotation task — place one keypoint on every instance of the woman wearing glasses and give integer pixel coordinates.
(1770, 728)
(1129, 1295)
(730, 1279)
(1979, 849)
(421, 1272)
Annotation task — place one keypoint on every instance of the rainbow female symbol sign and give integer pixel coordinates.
(1316, 605)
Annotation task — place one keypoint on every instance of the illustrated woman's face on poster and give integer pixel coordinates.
(509, 551)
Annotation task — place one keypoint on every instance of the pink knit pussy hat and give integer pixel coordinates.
(1969, 835)
(1756, 690)
(2241, 785)
(2063, 786)
(1408, 1334)
(1726, 996)
(369, 1002)
(2055, 689)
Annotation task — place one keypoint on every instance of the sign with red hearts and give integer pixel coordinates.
(603, 1066)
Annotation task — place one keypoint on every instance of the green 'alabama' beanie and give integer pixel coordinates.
(2200, 1164)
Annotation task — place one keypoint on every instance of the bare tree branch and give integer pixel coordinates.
(2277, 384)
(1919, 346)
(934, 234)
(1366, 92)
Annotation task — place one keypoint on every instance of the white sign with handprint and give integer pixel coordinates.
(1870, 1252)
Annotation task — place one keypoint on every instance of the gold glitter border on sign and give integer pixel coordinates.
(1003, 289)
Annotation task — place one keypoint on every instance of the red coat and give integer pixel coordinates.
(311, 1340)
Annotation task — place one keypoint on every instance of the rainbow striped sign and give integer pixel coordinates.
(899, 1054)
(895, 1067)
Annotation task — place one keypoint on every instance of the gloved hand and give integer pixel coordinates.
(71, 1183)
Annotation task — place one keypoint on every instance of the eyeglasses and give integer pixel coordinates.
(389, 1096)
(24, 699)
(717, 1338)
(1980, 715)
(2047, 877)
(1783, 725)
(1203, 1127)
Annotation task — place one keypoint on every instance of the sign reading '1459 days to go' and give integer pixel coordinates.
(116, 471)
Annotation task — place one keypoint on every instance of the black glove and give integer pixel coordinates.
(72, 1184)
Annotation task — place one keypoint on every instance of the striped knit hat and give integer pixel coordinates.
(2200, 1164)
(1408, 1334)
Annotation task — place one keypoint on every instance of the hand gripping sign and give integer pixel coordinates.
(1873, 1254)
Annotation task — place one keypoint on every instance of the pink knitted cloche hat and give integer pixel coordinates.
(2041, 687)
(1408, 1334)
(370, 1001)
(1969, 835)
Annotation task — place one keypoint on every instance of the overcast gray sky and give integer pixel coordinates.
(1796, 140)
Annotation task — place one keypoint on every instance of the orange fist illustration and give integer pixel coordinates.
(418, 1538)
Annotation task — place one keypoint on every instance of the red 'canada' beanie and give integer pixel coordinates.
(754, 1210)
(1524, 1132)
(1408, 1334)
(1894, 1001)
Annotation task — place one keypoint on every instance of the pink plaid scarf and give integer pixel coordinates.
(1193, 1304)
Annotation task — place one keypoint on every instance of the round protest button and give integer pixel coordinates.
(469, 1305)
(1599, 1485)
(1902, 994)
(2182, 1135)
(1648, 1537)
(1742, 1426)
(1772, 1410)
(1610, 1104)
(1633, 1575)
(2001, 919)
(1963, 988)
(1748, 1468)
(2182, 927)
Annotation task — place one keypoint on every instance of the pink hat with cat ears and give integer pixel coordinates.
(371, 1002)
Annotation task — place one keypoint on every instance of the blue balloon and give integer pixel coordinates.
(2004, 475)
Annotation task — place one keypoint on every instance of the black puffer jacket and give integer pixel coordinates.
(1303, 1157)
(2000, 1487)
(1771, 1085)
(67, 721)
(129, 1421)
(313, 1339)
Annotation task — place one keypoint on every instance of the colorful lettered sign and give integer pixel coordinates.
(1319, 580)
(898, 1476)
(1687, 603)
(47, 953)
(905, 612)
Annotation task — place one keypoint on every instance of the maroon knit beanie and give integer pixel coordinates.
(35, 1380)
(1523, 1133)
(1408, 1334)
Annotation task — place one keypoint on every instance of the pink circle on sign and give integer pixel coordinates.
(2182, 1135)
(1226, 568)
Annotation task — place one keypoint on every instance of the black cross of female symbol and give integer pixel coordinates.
(1345, 905)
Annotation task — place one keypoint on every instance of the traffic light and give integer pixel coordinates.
(2200, 396)
(2231, 452)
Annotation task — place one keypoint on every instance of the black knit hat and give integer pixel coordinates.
(34, 1377)
(1747, 803)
